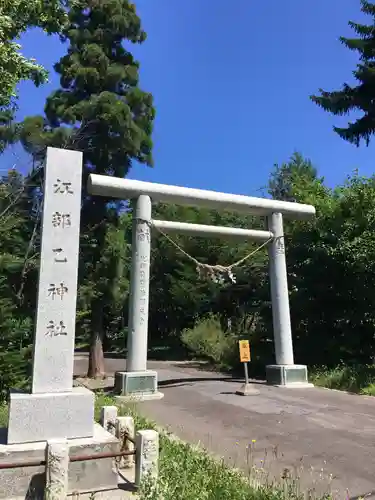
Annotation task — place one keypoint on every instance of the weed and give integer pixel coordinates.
(187, 472)
(355, 379)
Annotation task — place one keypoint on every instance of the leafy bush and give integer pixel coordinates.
(14, 371)
(369, 390)
(357, 379)
(15, 356)
(208, 340)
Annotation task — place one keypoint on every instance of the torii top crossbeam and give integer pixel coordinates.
(115, 187)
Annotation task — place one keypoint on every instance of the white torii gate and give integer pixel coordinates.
(137, 380)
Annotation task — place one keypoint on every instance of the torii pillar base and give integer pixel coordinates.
(288, 376)
(137, 386)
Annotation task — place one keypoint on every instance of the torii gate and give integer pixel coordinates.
(137, 380)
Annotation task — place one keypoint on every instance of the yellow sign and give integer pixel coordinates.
(244, 351)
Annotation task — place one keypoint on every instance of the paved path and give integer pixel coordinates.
(317, 431)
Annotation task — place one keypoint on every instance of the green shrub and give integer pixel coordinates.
(208, 340)
(369, 390)
(15, 355)
(3, 415)
(14, 368)
(356, 379)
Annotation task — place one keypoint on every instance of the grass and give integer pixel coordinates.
(188, 472)
(355, 379)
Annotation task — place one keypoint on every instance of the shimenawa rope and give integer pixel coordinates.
(210, 270)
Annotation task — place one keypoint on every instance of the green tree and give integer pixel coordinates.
(101, 111)
(16, 17)
(18, 278)
(331, 263)
(359, 97)
(330, 271)
(282, 184)
(115, 269)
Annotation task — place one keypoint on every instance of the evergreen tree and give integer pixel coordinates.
(101, 111)
(282, 182)
(359, 97)
(17, 282)
(297, 180)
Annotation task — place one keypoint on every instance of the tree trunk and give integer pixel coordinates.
(96, 357)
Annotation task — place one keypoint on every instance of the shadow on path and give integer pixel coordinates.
(176, 382)
(106, 386)
(196, 365)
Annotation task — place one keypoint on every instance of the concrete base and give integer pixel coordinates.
(289, 376)
(84, 477)
(295, 385)
(39, 417)
(247, 390)
(139, 397)
(139, 386)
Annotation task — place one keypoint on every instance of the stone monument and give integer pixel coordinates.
(54, 410)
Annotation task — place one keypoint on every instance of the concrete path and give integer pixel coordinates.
(325, 437)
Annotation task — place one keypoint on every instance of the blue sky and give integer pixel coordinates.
(231, 82)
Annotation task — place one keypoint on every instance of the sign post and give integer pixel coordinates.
(245, 357)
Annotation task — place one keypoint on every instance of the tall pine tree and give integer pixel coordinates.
(360, 97)
(283, 178)
(101, 111)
